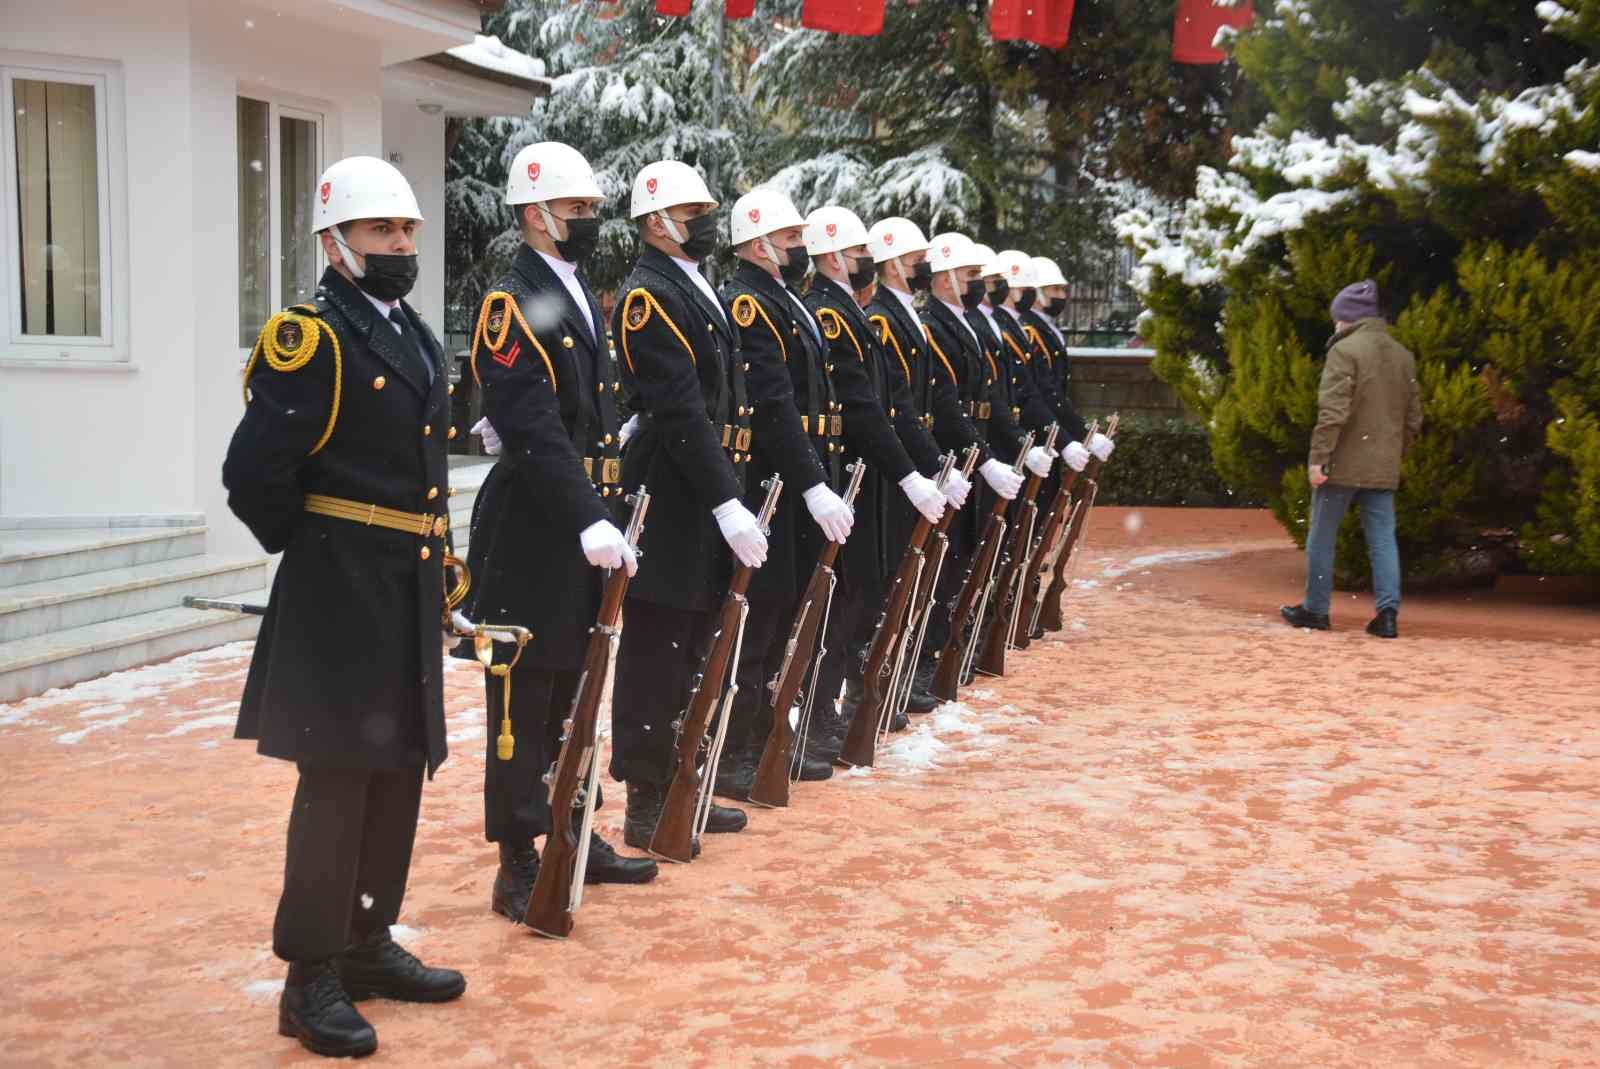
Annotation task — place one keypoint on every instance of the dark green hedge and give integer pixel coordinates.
(1165, 462)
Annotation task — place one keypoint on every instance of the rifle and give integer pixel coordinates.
(688, 801)
(1044, 552)
(916, 631)
(1087, 492)
(573, 780)
(1008, 602)
(957, 653)
(771, 786)
(872, 712)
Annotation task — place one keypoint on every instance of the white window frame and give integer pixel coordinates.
(279, 106)
(110, 346)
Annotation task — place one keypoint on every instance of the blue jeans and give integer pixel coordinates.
(1328, 506)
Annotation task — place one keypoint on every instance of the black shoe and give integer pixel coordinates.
(644, 809)
(1300, 616)
(608, 866)
(315, 1010)
(813, 770)
(519, 867)
(898, 722)
(378, 967)
(1385, 625)
(724, 818)
(736, 773)
(921, 702)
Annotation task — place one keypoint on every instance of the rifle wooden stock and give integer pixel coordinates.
(947, 674)
(771, 785)
(1040, 563)
(1050, 617)
(550, 906)
(992, 657)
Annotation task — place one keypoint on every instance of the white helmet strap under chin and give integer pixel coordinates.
(550, 223)
(672, 227)
(898, 266)
(772, 253)
(955, 283)
(356, 270)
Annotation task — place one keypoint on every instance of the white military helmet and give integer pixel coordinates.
(667, 183)
(989, 265)
(893, 237)
(1046, 272)
(760, 212)
(950, 251)
(833, 228)
(362, 187)
(549, 171)
(1016, 267)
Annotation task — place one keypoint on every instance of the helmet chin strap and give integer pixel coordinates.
(672, 227)
(550, 223)
(899, 267)
(356, 269)
(955, 285)
(766, 247)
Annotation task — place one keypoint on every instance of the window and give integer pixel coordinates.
(280, 159)
(55, 183)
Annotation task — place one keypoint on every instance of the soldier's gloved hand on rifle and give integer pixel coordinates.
(460, 625)
(1101, 446)
(491, 441)
(1038, 461)
(1001, 479)
(741, 532)
(605, 547)
(1076, 456)
(924, 495)
(831, 513)
(956, 488)
(627, 430)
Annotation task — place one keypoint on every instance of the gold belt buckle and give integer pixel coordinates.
(836, 425)
(805, 424)
(441, 524)
(742, 442)
(611, 470)
(984, 410)
(588, 467)
(727, 434)
(1016, 413)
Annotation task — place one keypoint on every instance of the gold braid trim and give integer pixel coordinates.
(945, 360)
(495, 338)
(636, 316)
(1037, 339)
(1024, 357)
(284, 353)
(830, 318)
(887, 335)
(741, 305)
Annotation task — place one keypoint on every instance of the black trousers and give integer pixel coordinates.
(661, 650)
(516, 802)
(350, 838)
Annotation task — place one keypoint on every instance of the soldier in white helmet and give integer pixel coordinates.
(544, 529)
(685, 380)
(339, 464)
(1038, 319)
(796, 427)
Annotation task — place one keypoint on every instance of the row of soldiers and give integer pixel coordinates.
(723, 394)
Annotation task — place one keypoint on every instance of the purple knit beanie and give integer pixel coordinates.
(1356, 301)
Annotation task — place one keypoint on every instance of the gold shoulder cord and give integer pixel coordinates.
(945, 360)
(1038, 340)
(636, 315)
(830, 318)
(288, 343)
(885, 334)
(1024, 357)
(494, 326)
(745, 310)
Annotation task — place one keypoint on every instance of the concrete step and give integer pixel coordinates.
(31, 609)
(35, 556)
(36, 664)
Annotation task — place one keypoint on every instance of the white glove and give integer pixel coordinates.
(491, 441)
(627, 430)
(1101, 446)
(1038, 461)
(830, 512)
(461, 626)
(1076, 456)
(924, 495)
(956, 488)
(1001, 479)
(741, 532)
(604, 547)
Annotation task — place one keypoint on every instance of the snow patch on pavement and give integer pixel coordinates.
(1151, 560)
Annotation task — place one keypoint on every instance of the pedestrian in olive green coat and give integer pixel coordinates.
(1369, 414)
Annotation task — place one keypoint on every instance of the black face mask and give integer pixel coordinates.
(999, 293)
(389, 276)
(794, 269)
(1025, 299)
(1055, 306)
(921, 279)
(583, 237)
(702, 239)
(861, 272)
(972, 296)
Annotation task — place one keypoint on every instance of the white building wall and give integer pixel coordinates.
(418, 140)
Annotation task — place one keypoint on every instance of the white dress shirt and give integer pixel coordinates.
(692, 269)
(905, 301)
(384, 308)
(960, 314)
(568, 274)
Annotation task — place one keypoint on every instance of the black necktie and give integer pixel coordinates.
(412, 343)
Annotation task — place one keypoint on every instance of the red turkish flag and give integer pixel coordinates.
(864, 18)
(741, 9)
(1197, 24)
(673, 7)
(1044, 22)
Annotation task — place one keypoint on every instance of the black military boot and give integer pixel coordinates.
(519, 867)
(644, 809)
(736, 772)
(824, 736)
(813, 770)
(1385, 625)
(725, 818)
(608, 866)
(378, 967)
(315, 1010)
(899, 721)
(1300, 616)
(922, 699)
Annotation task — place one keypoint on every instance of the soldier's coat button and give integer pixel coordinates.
(599, 387)
(450, 390)
(427, 429)
(452, 433)
(606, 440)
(615, 386)
(379, 383)
(426, 552)
(433, 492)
(747, 365)
(566, 342)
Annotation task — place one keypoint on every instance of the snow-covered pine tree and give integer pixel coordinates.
(1448, 150)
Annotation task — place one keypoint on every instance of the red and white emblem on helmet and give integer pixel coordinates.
(755, 215)
(832, 229)
(650, 186)
(1016, 269)
(945, 251)
(533, 171)
(888, 239)
(326, 191)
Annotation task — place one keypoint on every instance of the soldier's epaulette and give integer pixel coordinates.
(1024, 357)
(927, 332)
(495, 317)
(1038, 339)
(833, 325)
(637, 308)
(745, 310)
(886, 336)
(288, 343)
